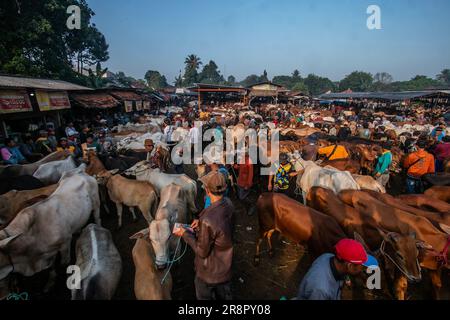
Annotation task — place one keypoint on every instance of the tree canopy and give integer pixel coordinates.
(155, 80)
(357, 81)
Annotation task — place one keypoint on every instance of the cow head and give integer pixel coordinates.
(103, 177)
(159, 236)
(402, 249)
(137, 168)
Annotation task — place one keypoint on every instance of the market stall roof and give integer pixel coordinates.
(404, 95)
(126, 95)
(204, 87)
(11, 82)
(95, 100)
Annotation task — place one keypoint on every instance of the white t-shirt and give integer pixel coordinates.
(194, 135)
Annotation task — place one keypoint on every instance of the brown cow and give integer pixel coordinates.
(425, 202)
(278, 212)
(349, 165)
(12, 202)
(434, 254)
(401, 248)
(148, 279)
(132, 193)
(434, 217)
(95, 165)
(439, 192)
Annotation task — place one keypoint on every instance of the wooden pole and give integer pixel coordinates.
(4, 131)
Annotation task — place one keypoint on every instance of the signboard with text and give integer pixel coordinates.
(49, 100)
(128, 106)
(12, 101)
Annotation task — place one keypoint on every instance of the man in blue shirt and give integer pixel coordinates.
(325, 278)
(439, 132)
(384, 161)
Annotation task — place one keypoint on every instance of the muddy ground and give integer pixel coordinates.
(272, 279)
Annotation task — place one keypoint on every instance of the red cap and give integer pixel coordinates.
(352, 251)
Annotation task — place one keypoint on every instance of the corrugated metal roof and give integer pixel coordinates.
(37, 83)
(405, 95)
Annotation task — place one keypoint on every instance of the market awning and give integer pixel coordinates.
(126, 95)
(95, 100)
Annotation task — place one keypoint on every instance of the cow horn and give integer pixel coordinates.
(445, 228)
(141, 234)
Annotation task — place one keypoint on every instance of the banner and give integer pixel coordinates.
(146, 105)
(128, 106)
(49, 100)
(14, 101)
(138, 105)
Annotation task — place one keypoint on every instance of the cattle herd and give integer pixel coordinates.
(51, 211)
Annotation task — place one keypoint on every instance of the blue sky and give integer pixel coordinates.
(325, 37)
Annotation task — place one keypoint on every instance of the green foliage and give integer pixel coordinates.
(444, 76)
(155, 80)
(317, 85)
(192, 63)
(231, 80)
(35, 40)
(96, 79)
(211, 74)
(357, 81)
(300, 86)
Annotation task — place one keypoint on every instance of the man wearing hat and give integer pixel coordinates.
(325, 278)
(212, 242)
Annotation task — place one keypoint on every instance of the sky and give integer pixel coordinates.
(325, 37)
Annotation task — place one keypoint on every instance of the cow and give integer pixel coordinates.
(19, 183)
(400, 248)
(100, 264)
(149, 282)
(433, 243)
(172, 208)
(159, 180)
(328, 177)
(11, 203)
(425, 202)
(349, 165)
(132, 193)
(439, 192)
(31, 242)
(368, 183)
(434, 217)
(28, 169)
(50, 173)
(302, 224)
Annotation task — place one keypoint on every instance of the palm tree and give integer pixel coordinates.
(192, 61)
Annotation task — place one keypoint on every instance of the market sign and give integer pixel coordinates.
(146, 105)
(14, 101)
(128, 106)
(52, 100)
(139, 105)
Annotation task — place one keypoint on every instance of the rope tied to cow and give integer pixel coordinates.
(442, 257)
(402, 270)
(171, 262)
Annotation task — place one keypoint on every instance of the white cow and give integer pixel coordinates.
(100, 264)
(172, 208)
(50, 173)
(159, 180)
(31, 242)
(328, 177)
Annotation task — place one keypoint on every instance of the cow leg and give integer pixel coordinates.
(400, 287)
(134, 213)
(119, 208)
(146, 212)
(269, 242)
(257, 254)
(436, 281)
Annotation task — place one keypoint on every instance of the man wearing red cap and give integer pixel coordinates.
(325, 278)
